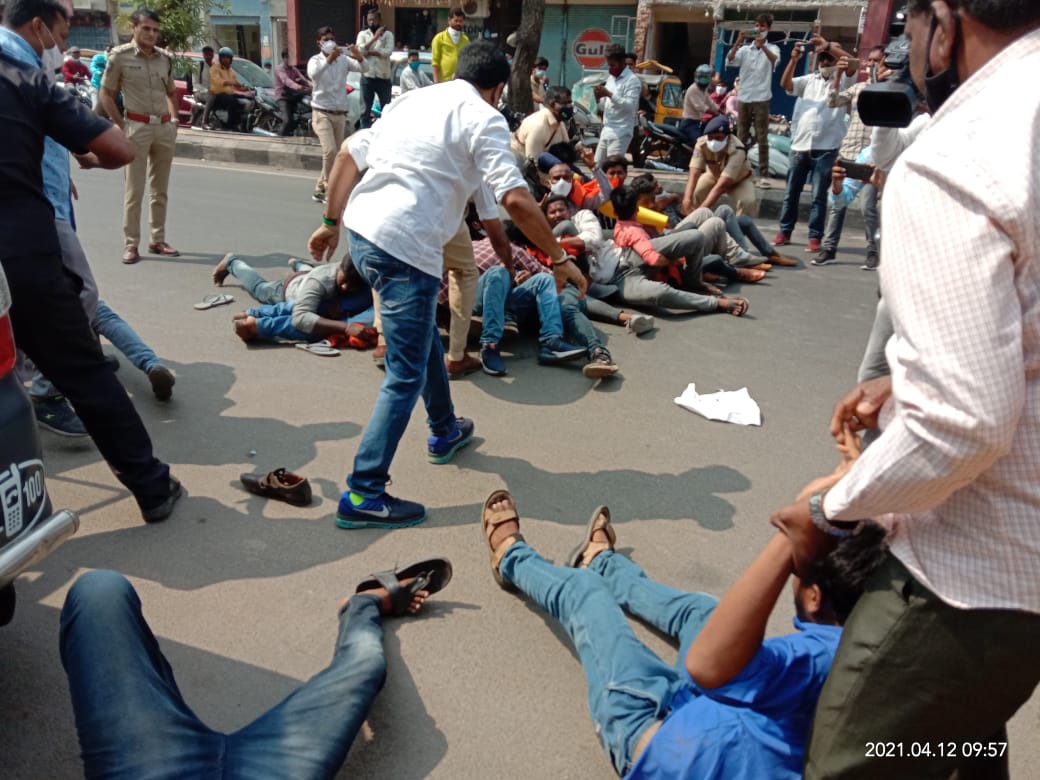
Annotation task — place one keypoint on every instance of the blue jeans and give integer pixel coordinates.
(274, 322)
(535, 297)
(414, 363)
(254, 284)
(629, 686)
(576, 326)
(124, 338)
(820, 163)
(133, 723)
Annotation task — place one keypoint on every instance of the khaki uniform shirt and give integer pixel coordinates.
(731, 161)
(145, 80)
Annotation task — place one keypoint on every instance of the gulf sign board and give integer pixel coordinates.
(590, 48)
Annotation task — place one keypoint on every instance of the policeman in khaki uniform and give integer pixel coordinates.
(720, 166)
(144, 74)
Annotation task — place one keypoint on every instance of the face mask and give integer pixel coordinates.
(539, 74)
(761, 34)
(939, 86)
(328, 46)
(716, 146)
(561, 187)
(702, 83)
(720, 90)
(456, 35)
(566, 113)
(414, 65)
(51, 59)
(826, 71)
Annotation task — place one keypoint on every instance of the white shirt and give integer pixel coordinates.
(427, 155)
(623, 104)
(756, 72)
(960, 457)
(329, 80)
(413, 79)
(377, 56)
(601, 251)
(814, 124)
(887, 143)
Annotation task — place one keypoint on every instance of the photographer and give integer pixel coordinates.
(756, 63)
(943, 648)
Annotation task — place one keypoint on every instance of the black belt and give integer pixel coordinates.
(327, 111)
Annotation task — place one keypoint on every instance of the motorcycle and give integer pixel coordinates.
(83, 92)
(219, 118)
(661, 146)
(267, 119)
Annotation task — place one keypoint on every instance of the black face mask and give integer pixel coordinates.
(566, 113)
(939, 86)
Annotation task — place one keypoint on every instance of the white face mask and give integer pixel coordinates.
(827, 71)
(328, 46)
(716, 146)
(456, 35)
(51, 59)
(720, 90)
(561, 187)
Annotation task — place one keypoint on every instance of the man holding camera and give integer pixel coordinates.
(756, 63)
(943, 649)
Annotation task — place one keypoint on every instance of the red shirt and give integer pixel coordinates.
(73, 71)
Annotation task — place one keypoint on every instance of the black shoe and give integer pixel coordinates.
(826, 257)
(160, 512)
(57, 416)
(873, 261)
(113, 361)
(600, 365)
(162, 382)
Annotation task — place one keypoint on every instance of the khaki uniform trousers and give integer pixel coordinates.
(330, 129)
(743, 196)
(153, 154)
(462, 292)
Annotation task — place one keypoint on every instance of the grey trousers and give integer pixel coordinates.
(719, 241)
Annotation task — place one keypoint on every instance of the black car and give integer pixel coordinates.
(29, 530)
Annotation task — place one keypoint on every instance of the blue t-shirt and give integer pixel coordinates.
(754, 726)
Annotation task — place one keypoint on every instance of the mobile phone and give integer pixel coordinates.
(854, 62)
(855, 170)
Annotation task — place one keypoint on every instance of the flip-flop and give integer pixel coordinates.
(431, 575)
(575, 556)
(323, 348)
(217, 299)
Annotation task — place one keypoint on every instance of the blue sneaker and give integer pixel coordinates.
(356, 511)
(57, 416)
(556, 350)
(441, 449)
(491, 360)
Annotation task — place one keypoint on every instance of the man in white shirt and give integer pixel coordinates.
(943, 648)
(328, 71)
(817, 131)
(413, 77)
(756, 63)
(621, 96)
(375, 43)
(426, 157)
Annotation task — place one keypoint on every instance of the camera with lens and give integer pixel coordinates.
(893, 102)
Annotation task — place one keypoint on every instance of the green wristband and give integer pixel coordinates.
(330, 222)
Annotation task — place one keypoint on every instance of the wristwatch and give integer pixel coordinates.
(831, 528)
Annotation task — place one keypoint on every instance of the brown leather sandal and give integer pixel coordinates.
(490, 519)
(581, 556)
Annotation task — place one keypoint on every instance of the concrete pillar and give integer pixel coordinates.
(644, 15)
(875, 27)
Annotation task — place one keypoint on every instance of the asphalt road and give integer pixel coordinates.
(243, 592)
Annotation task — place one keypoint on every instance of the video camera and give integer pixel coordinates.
(893, 102)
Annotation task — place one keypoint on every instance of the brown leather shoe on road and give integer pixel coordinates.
(459, 368)
(779, 259)
(279, 484)
(164, 249)
(130, 255)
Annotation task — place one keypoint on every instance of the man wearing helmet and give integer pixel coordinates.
(698, 107)
(223, 83)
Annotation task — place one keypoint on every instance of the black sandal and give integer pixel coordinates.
(431, 575)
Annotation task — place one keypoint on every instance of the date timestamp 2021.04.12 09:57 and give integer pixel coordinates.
(949, 749)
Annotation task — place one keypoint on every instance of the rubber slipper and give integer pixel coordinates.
(217, 299)
(575, 556)
(323, 348)
(431, 575)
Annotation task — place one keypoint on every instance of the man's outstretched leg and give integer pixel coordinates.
(630, 688)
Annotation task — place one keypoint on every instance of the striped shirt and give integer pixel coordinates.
(956, 473)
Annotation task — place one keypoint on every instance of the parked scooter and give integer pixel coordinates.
(267, 119)
(219, 118)
(662, 145)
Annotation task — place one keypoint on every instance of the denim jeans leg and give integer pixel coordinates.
(835, 224)
(368, 96)
(124, 338)
(131, 719)
(729, 216)
(492, 292)
(539, 294)
(747, 225)
(797, 173)
(576, 326)
(871, 217)
(254, 284)
(678, 614)
(629, 686)
(414, 362)
(307, 735)
(822, 162)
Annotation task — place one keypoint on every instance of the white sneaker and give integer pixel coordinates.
(639, 323)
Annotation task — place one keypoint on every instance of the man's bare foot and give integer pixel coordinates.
(245, 328)
(385, 606)
(221, 272)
